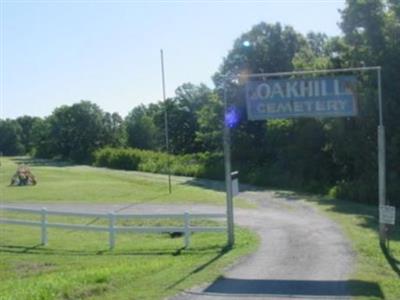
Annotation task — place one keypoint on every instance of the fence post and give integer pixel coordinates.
(111, 230)
(44, 227)
(187, 229)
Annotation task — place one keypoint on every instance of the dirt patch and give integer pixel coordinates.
(25, 269)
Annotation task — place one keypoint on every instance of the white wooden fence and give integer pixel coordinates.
(186, 229)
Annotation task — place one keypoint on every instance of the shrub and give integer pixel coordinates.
(204, 165)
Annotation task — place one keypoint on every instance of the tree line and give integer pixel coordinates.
(334, 155)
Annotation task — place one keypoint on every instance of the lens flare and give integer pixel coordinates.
(246, 44)
(232, 117)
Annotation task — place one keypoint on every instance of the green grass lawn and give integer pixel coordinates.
(78, 265)
(63, 183)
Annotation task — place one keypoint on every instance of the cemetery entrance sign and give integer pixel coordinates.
(306, 97)
(318, 93)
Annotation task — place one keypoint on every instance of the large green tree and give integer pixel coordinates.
(183, 117)
(77, 130)
(141, 129)
(10, 137)
(371, 37)
(183, 121)
(27, 124)
(282, 152)
(266, 48)
(210, 124)
(114, 130)
(43, 143)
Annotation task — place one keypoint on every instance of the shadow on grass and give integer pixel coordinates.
(19, 249)
(39, 249)
(393, 262)
(217, 185)
(45, 250)
(38, 162)
(368, 214)
(223, 251)
(232, 287)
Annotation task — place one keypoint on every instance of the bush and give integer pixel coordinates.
(211, 166)
(204, 165)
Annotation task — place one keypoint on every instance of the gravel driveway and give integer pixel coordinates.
(303, 255)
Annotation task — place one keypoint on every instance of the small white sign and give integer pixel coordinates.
(235, 187)
(387, 214)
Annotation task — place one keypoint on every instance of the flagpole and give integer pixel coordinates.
(165, 121)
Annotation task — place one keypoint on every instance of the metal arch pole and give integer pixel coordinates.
(380, 96)
(280, 74)
(381, 160)
(228, 181)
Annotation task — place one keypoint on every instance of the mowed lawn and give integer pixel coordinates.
(65, 183)
(79, 265)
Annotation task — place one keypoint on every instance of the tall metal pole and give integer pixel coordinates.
(381, 161)
(228, 181)
(165, 121)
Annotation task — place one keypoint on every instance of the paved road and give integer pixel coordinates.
(303, 255)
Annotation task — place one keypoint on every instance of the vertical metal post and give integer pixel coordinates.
(44, 227)
(228, 181)
(380, 97)
(111, 230)
(381, 160)
(187, 229)
(165, 121)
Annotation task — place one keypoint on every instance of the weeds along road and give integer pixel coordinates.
(302, 255)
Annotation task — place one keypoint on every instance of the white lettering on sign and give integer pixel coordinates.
(301, 106)
(301, 97)
(297, 107)
(297, 88)
(263, 91)
(291, 89)
(277, 91)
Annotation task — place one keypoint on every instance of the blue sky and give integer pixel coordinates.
(59, 52)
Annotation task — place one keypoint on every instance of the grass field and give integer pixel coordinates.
(78, 265)
(58, 182)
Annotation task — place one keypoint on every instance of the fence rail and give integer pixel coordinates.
(186, 229)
